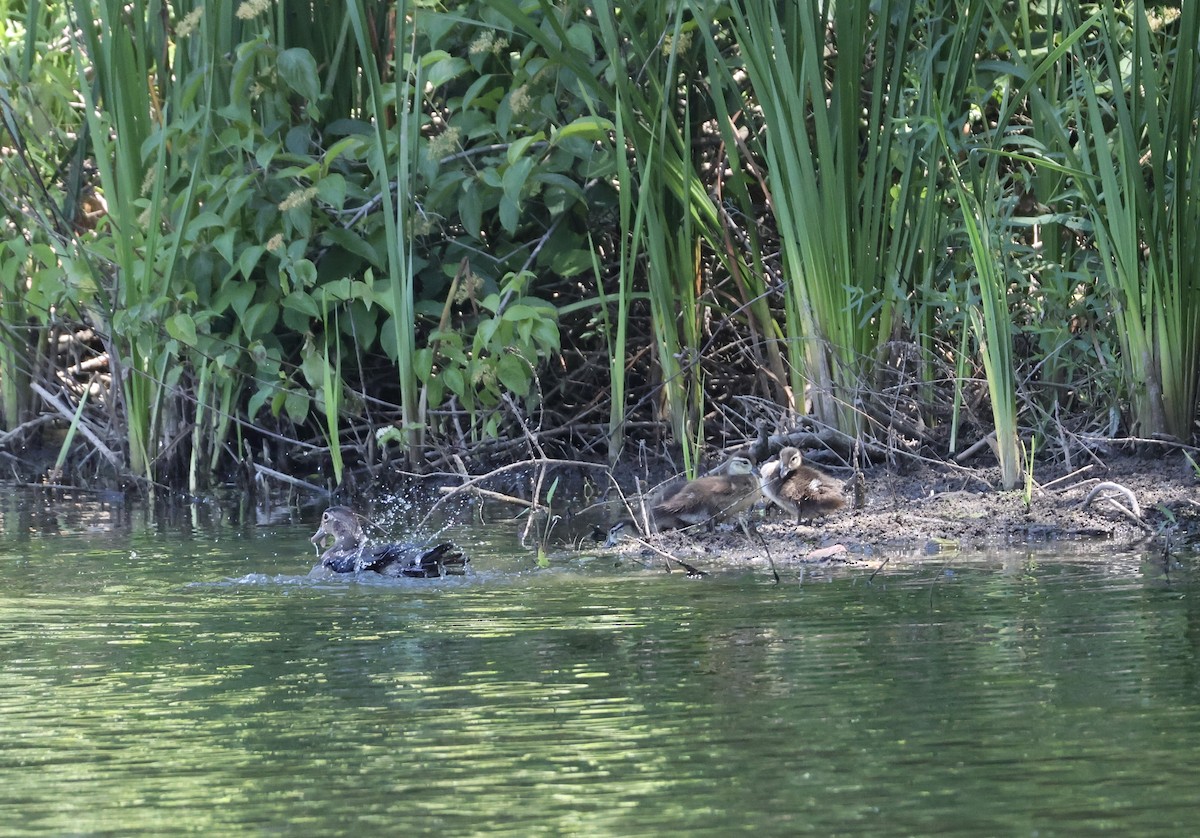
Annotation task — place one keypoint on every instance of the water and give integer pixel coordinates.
(161, 679)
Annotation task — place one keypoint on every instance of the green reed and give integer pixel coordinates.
(830, 185)
(1137, 112)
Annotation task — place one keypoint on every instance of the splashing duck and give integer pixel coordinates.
(349, 552)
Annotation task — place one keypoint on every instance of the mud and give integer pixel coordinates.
(937, 509)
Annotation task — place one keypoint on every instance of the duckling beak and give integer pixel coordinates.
(318, 537)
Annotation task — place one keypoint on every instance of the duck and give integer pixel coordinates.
(801, 490)
(710, 499)
(349, 552)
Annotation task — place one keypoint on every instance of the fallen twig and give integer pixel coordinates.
(1133, 511)
(488, 493)
(469, 484)
(264, 471)
(1075, 473)
(988, 441)
(691, 571)
(81, 423)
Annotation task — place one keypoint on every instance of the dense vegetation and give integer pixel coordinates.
(324, 237)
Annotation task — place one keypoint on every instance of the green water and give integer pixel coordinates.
(161, 679)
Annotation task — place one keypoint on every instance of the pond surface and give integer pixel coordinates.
(162, 678)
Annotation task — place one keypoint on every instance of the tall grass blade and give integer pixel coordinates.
(392, 159)
(1138, 113)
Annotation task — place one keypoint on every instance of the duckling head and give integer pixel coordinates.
(739, 466)
(790, 459)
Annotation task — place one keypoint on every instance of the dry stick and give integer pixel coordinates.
(766, 550)
(644, 524)
(35, 422)
(287, 478)
(1136, 520)
(986, 442)
(1077, 471)
(535, 449)
(647, 526)
(1134, 515)
(84, 428)
(692, 571)
(1109, 486)
(488, 493)
(875, 572)
(471, 484)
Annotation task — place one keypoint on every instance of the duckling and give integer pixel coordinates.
(349, 552)
(707, 500)
(799, 489)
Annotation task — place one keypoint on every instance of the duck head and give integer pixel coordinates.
(739, 465)
(342, 525)
(789, 460)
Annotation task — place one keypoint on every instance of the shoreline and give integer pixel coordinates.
(934, 510)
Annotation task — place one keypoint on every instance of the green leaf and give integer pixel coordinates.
(470, 211)
(335, 291)
(453, 379)
(297, 405)
(303, 303)
(510, 214)
(519, 311)
(298, 69)
(264, 153)
(235, 296)
(332, 190)
(568, 263)
(342, 146)
(248, 259)
(259, 399)
(203, 221)
(478, 86)
(363, 325)
(515, 177)
(183, 328)
(259, 319)
(445, 70)
(545, 334)
(486, 331)
(354, 243)
(513, 373)
(423, 363)
(303, 272)
(517, 149)
(595, 128)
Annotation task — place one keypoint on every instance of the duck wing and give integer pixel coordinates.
(340, 562)
(707, 500)
(696, 495)
(416, 561)
(815, 491)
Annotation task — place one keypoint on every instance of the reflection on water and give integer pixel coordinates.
(201, 679)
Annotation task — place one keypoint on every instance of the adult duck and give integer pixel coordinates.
(710, 499)
(350, 553)
(799, 489)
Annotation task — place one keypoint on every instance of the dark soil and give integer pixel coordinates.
(936, 509)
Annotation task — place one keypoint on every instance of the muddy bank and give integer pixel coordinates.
(1126, 501)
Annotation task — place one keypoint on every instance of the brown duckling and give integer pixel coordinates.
(707, 500)
(799, 489)
(349, 552)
